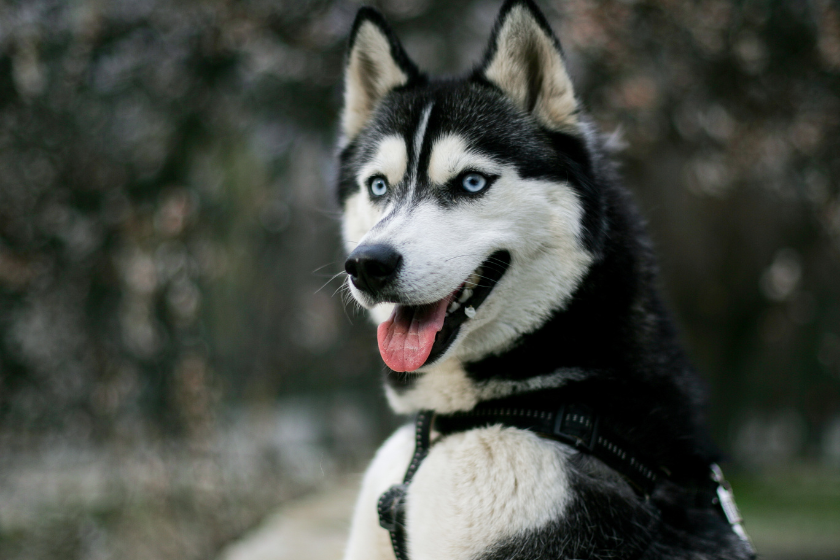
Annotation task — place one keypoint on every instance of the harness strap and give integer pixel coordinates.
(391, 505)
(573, 424)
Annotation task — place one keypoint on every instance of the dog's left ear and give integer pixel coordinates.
(525, 60)
(376, 64)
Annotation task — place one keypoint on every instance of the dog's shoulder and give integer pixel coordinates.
(482, 486)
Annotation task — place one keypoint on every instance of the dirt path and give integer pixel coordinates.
(312, 528)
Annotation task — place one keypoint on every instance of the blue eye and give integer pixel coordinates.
(378, 186)
(474, 182)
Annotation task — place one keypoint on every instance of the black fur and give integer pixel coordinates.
(615, 331)
(605, 521)
(480, 112)
(500, 19)
(367, 14)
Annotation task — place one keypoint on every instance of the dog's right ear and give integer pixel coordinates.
(525, 61)
(376, 64)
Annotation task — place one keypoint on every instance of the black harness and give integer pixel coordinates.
(573, 424)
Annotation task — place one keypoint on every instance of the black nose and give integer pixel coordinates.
(371, 267)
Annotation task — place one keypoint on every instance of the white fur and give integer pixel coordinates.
(359, 217)
(368, 540)
(447, 388)
(478, 487)
(419, 136)
(538, 221)
(371, 73)
(391, 160)
(451, 155)
(473, 489)
(519, 39)
(380, 312)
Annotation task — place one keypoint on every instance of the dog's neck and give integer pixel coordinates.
(449, 388)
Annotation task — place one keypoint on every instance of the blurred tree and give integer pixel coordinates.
(165, 196)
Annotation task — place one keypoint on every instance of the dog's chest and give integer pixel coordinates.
(479, 487)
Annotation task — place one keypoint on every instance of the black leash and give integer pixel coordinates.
(574, 424)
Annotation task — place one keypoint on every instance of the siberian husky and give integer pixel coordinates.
(515, 292)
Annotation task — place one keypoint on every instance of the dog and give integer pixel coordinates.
(515, 293)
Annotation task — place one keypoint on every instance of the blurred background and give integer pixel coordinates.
(174, 360)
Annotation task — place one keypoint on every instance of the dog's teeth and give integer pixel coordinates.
(465, 295)
(453, 307)
(472, 281)
(469, 311)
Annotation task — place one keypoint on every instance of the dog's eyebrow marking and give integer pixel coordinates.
(390, 160)
(451, 155)
(419, 136)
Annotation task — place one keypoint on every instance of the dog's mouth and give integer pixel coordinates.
(415, 335)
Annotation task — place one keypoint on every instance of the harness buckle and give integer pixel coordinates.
(726, 500)
(390, 506)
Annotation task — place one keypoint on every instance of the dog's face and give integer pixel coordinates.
(467, 209)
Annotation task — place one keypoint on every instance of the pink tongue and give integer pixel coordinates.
(407, 336)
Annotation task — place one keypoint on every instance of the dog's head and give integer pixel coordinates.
(469, 209)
